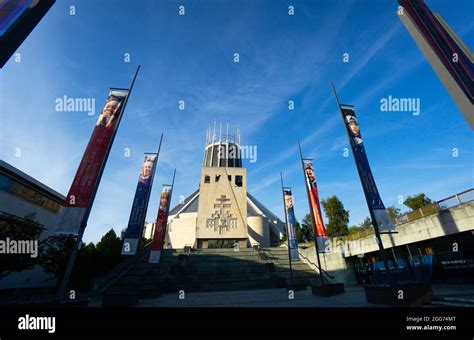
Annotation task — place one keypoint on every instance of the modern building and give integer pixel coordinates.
(434, 244)
(28, 209)
(221, 212)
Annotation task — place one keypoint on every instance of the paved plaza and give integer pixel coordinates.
(353, 297)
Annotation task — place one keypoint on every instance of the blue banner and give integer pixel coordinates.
(290, 216)
(136, 222)
(372, 196)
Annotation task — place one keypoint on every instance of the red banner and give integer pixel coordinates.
(80, 196)
(315, 207)
(161, 223)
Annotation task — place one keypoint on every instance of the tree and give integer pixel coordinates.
(109, 244)
(338, 217)
(366, 224)
(394, 213)
(305, 231)
(96, 260)
(417, 201)
(353, 230)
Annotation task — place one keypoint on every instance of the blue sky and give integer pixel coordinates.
(282, 58)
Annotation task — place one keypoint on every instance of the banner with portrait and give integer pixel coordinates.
(319, 229)
(290, 217)
(159, 233)
(81, 194)
(372, 196)
(134, 230)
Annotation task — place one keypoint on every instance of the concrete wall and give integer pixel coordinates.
(259, 233)
(450, 221)
(182, 231)
(338, 264)
(236, 204)
(334, 264)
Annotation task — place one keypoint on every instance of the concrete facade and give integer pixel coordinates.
(222, 210)
(21, 195)
(451, 221)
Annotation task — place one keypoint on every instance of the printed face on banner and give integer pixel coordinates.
(107, 118)
(147, 168)
(310, 175)
(165, 199)
(288, 199)
(353, 127)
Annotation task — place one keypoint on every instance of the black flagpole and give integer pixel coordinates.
(287, 230)
(372, 216)
(311, 212)
(78, 243)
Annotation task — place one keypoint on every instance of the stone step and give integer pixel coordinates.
(226, 286)
(211, 270)
(297, 274)
(453, 301)
(209, 257)
(229, 262)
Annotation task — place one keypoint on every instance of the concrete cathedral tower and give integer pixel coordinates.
(221, 212)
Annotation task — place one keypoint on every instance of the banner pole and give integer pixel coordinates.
(78, 243)
(372, 216)
(172, 183)
(153, 175)
(287, 230)
(169, 205)
(321, 274)
(155, 166)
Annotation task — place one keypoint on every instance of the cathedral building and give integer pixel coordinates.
(221, 213)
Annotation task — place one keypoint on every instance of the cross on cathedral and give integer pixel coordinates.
(221, 220)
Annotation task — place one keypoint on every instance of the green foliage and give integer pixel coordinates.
(96, 260)
(353, 230)
(305, 231)
(394, 213)
(417, 201)
(338, 217)
(366, 224)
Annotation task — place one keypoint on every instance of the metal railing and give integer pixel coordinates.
(445, 203)
(309, 262)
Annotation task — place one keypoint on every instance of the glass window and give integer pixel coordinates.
(238, 180)
(5, 183)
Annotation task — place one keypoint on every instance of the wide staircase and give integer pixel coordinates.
(204, 270)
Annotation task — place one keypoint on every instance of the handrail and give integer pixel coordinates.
(314, 264)
(321, 270)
